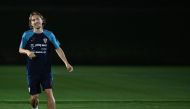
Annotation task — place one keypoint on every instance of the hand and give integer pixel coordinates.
(69, 67)
(31, 54)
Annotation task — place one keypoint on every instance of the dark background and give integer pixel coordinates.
(102, 32)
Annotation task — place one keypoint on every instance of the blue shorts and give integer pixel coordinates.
(38, 82)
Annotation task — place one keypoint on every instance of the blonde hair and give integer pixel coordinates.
(39, 14)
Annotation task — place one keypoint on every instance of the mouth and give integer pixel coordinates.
(37, 24)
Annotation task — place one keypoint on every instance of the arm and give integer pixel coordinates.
(27, 52)
(61, 54)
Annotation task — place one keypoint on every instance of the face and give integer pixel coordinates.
(36, 22)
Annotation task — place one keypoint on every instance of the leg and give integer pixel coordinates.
(50, 98)
(34, 90)
(34, 101)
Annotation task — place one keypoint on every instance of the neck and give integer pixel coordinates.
(40, 30)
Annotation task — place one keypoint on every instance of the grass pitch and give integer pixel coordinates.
(106, 87)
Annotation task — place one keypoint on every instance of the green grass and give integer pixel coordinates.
(107, 87)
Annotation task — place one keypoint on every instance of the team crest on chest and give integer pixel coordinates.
(45, 40)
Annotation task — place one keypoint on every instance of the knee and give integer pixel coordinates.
(51, 99)
(34, 101)
(34, 98)
(49, 94)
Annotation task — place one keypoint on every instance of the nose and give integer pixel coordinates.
(36, 21)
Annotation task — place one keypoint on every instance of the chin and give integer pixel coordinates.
(39, 27)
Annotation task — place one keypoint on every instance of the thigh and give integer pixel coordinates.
(49, 92)
(47, 81)
(34, 85)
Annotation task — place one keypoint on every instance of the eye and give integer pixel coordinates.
(37, 18)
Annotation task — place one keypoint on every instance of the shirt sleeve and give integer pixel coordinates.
(54, 41)
(23, 41)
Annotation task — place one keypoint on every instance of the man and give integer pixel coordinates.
(36, 44)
